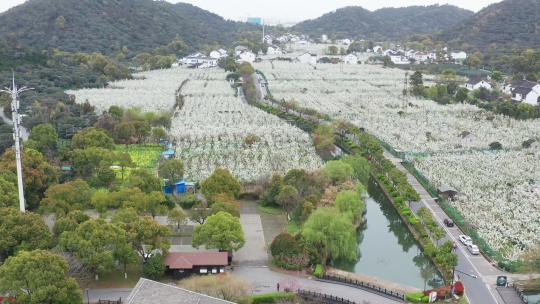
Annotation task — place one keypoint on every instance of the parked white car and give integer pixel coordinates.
(465, 239)
(473, 249)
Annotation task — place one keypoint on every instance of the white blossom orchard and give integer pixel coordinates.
(498, 192)
(211, 127)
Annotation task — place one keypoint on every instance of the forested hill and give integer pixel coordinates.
(105, 25)
(510, 24)
(386, 23)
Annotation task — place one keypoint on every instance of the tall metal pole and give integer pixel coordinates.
(263, 34)
(14, 92)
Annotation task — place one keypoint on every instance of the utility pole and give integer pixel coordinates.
(14, 92)
(406, 90)
(263, 31)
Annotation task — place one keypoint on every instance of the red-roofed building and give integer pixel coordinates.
(185, 263)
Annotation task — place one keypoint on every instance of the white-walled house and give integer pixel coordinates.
(524, 91)
(350, 59)
(240, 49)
(458, 56)
(307, 58)
(274, 50)
(420, 56)
(476, 83)
(397, 57)
(246, 56)
(199, 60)
(217, 54)
(377, 49)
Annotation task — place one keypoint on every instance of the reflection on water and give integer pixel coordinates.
(388, 250)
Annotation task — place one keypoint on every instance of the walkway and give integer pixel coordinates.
(509, 295)
(264, 280)
(254, 252)
(474, 271)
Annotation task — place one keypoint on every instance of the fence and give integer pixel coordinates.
(366, 286)
(321, 297)
(520, 293)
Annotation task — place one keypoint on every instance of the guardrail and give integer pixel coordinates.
(322, 297)
(520, 293)
(366, 286)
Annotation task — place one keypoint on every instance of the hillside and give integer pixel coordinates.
(386, 23)
(105, 25)
(510, 23)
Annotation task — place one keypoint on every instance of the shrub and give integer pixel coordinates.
(459, 288)
(274, 297)
(154, 268)
(318, 271)
(285, 244)
(187, 201)
(406, 211)
(413, 220)
(414, 297)
(495, 145)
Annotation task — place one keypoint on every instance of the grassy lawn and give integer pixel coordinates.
(115, 279)
(269, 210)
(145, 156)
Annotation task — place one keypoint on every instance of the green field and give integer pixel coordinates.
(144, 156)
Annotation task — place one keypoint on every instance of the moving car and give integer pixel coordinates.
(473, 249)
(448, 223)
(465, 239)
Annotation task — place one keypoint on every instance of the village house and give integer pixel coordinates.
(420, 57)
(458, 57)
(274, 50)
(246, 56)
(180, 264)
(308, 58)
(397, 57)
(218, 54)
(476, 83)
(350, 59)
(199, 60)
(524, 91)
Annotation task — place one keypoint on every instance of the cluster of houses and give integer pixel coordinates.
(519, 90)
(199, 60)
(401, 56)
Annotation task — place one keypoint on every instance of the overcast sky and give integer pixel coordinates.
(296, 10)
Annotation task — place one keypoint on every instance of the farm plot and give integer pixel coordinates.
(151, 91)
(215, 129)
(454, 137)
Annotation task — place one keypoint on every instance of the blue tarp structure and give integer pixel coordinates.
(180, 186)
(168, 153)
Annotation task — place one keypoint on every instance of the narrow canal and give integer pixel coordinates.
(386, 248)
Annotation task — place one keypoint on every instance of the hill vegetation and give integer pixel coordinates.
(500, 28)
(386, 23)
(108, 26)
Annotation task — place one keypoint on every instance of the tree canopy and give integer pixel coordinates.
(332, 234)
(171, 170)
(43, 277)
(221, 181)
(220, 231)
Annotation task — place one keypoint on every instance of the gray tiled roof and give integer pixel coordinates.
(152, 292)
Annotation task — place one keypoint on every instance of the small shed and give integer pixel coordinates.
(448, 192)
(167, 154)
(180, 186)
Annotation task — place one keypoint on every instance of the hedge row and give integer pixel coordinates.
(274, 297)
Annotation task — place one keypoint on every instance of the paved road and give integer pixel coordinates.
(105, 294)
(254, 252)
(264, 280)
(480, 290)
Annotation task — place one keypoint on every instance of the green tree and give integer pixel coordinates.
(44, 138)
(387, 61)
(142, 130)
(9, 195)
(220, 231)
(462, 95)
(228, 64)
(144, 234)
(87, 162)
(417, 83)
(361, 167)
(42, 276)
(332, 50)
(154, 269)
(62, 198)
(38, 174)
(338, 171)
(94, 242)
(144, 180)
(158, 134)
(245, 69)
(92, 137)
(124, 132)
(21, 231)
(177, 216)
(351, 203)
(69, 222)
(125, 255)
(171, 170)
(497, 76)
(124, 161)
(225, 207)
(200, 212)
(221, 181)
(323, 139)
(288, 198)
(269, 197)
(332, 234)
(475, 59)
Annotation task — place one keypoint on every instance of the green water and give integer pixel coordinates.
(387, 250)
